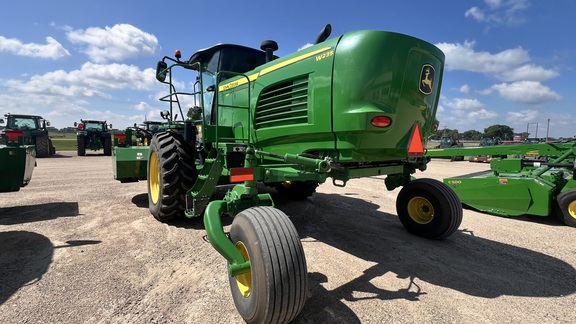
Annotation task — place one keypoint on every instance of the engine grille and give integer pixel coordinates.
(284, 104)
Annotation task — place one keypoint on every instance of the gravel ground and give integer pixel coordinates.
(76, 246)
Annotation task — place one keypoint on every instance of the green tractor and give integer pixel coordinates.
(94, 135)
(143, 133)
(17, 161)
(486, 142)
(356, 105)
(34, 132)
(450, 142)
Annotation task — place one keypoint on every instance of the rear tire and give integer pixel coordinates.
(42, 146)
(429, 208)
(81, 143)
(108, 145)
(171, 172)
(274, 291)
(565, 208)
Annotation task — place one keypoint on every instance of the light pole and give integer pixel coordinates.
(528, 125)
(547, 129)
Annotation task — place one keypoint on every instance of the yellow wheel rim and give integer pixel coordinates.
(244, 280)
(420, 210)
(572, 209)
(154, 178)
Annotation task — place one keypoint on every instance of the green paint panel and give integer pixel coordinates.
(16, 166)
(508, 194)
(130, 163)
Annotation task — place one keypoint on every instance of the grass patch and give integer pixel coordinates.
(64, 141)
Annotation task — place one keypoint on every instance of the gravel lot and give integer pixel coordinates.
(76, 246)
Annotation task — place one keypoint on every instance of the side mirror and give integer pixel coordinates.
(110, 126)
(211, 88)
(75, 124)
(161, 71)
(135, 125)
(48, 124)
(1, 120)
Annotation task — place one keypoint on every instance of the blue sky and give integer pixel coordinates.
(508, 62)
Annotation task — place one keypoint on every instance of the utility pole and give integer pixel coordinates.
(547, 129)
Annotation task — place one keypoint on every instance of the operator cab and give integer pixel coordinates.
(23, 122)
(223, 61)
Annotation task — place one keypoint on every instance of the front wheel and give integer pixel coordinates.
(429, 208)
(171, 172)
(566, 207)
(275, 288)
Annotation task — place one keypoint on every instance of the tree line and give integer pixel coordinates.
(504, 132)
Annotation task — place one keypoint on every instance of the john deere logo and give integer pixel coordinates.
(426, 79)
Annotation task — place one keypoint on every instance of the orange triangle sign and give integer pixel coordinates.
(415, 146)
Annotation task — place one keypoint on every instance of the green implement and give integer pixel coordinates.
(539, 181)
(17, 162)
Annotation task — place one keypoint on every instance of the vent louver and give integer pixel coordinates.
(284, 104)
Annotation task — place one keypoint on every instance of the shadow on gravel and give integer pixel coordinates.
(25, 258)
(59, 156)
(463, 262)
(140, 200)
(36, 213)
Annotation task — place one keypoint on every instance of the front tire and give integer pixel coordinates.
(171, 172)
(566, 207)
(274, 291)
(429, 208)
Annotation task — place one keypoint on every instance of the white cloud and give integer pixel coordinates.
(91, 80)
(464, 104)
(507, 65)
(475, 13)
(493, 4)
(141, 106)
(464, 89)
(500, 12)
(51, 50)
(523, 116)
(482, 114)
(114, 43)
(529, 92)
(465, 112)
(464, 57)
(529, 72)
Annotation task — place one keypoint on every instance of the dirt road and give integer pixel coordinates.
(76, 246)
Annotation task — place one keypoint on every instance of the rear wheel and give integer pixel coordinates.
(429, 208)
(298, 190)
(171, 172)
(81, 143)
(566, 207)
(42, 146)
(107, 145)
(274, 291)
